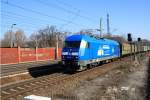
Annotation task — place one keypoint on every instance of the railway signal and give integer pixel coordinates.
(129, 37)
(130, 41)
(139, 39)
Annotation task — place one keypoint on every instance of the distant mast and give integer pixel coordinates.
(108, 28)
(100, 27)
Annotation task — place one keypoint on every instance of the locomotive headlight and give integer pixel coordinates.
(76, 57)
(64, 53)
(75, 53)
(63, 56)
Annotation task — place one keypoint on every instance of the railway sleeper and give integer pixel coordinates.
(5, 93)
(20, 88)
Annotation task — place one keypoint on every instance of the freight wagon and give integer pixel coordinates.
(127, 48)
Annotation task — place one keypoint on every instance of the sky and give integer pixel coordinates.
(126, 16)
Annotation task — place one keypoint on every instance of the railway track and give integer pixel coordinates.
(20, 88)
(56, 83)
(22, 67)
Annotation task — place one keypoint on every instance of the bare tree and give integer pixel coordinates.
(8, 38)
(16, 38)
(47, 37)
(107, 35)
(118, 38)
(86, 32)
(20, 38)
(33, 40)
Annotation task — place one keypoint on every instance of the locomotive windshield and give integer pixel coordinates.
(72, 44)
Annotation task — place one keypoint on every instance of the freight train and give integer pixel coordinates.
(81, 51)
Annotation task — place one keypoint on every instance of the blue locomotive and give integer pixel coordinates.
(81, 51)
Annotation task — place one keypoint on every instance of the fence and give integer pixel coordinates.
(18, 55)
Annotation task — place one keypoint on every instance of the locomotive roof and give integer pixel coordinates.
(90, 39)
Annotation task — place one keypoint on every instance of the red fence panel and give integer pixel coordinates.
(52, 53)
(8, 55)
(43, 53)
(27, 54)
(12, 55)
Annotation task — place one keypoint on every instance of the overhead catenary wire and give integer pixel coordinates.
(70, 6)
(27, 17)
(76, 14)
(28, 23)
(25, 29)
(66, 4)
(71, 20)
(60, 27)
(15, 16)
(8, 28)
(37, 12)
(65, 10)
(33, 11)
(30, 26)
(55, 6)
(23, 25)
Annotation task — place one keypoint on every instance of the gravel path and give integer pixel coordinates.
(128, 82)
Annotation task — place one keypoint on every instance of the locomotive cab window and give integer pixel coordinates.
(72, 44)
(87, 45)
(84, 44)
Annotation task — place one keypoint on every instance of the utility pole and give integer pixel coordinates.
(11, 35)
(56, 47)
(108, 27)
(36, 46)
(100, 27)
